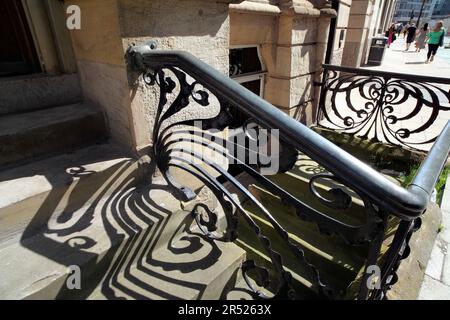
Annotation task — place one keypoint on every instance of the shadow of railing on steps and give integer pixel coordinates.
(182, 81)
(116, 213)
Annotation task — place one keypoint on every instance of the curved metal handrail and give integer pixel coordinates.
(406, 204)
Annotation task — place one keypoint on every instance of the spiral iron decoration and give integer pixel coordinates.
(384, 107)
(176, 92)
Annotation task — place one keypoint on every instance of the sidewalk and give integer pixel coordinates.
(436, 284)
(396, 60)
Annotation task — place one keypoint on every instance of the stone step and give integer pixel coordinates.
(119, 243)
(35, 192)
(100, 235)
(34, 92)
(188, 267)
(38, 133)
(296, 182)
(337, 262)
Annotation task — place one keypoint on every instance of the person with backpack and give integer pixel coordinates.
(435, 40)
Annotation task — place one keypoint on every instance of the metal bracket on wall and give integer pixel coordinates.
(134, 61)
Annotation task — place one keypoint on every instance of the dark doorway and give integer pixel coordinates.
(17, 52)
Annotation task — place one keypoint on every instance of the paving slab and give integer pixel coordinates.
(434, 290)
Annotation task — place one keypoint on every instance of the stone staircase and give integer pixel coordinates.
(103, 211)
(338, 262)
(85, 203)
(43, 115)
(96, 209)
(71, 199)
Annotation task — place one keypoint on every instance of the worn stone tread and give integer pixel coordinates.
(34, 134)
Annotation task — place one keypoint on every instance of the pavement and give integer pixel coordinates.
(436, 284)
(397, 60)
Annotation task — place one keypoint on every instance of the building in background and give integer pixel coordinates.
(408, 11)
(442, 12)
(441, 9)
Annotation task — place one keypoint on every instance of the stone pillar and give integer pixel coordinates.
(341, 31)
(382, 26)
(300, 49)
(357, 34)
(100, 59)
(390, 13)
(377, 17)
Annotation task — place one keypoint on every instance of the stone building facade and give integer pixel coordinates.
(288, 39)
(358, 21)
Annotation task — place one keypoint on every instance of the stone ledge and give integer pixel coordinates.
(294, 9)
(303, 11)
(328, 12)
(255, 8)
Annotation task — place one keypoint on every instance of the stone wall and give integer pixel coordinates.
(197, 26)
(357, 32)
(292, 36)
(102, 70)
(367, 18)
(341, 31)
(109, 27)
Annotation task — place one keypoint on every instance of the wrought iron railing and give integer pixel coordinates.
(401, 109)
(184, 80)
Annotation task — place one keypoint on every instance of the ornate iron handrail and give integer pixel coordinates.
(195, 82)
(405, 203)
(383, 106)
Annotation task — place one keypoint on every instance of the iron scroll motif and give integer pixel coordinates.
(177, 91)
(384, 107)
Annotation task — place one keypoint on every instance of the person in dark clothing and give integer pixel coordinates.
(411, 36)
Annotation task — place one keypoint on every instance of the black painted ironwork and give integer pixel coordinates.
(383, 106)
(185, 81)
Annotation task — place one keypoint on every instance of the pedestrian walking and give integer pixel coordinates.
(435, 40)
(421, 37)
(391, 35)
(399, 29)
(405, 30)
(410, 36)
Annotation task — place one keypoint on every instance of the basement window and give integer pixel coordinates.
(247, 68)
